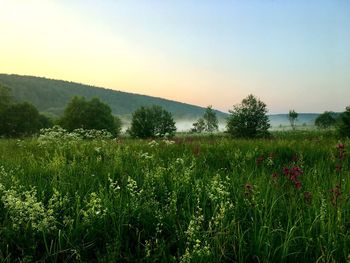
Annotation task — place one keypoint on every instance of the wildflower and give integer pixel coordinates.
(286, 171)
(274, 175)
(338, 168)
(340, 146)
(335, 194)
(341, 151)
(260, 160)
(248, 189)
(295, 158)
(308, 197)
(297, 184)
(293, 174)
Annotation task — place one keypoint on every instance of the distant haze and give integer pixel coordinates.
(276, 121)
(292, 54)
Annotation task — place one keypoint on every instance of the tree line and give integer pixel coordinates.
(248, 119)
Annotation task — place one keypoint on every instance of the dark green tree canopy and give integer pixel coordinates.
(210, 119)
(151, 122)
(344, 125)
(293, 116)
(326, 120)
(92, 114)
(5, 97)
(209, 122)
(199, 126)
(19, 119)
(249, 119)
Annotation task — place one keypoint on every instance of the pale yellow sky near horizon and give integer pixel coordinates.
(105, 45)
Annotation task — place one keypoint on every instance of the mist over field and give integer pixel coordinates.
(277, 121)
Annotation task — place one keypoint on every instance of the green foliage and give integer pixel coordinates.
(199, 126)
(57, 134)
(92, 114)
(75, 114)
(209, 122)
(292, 116)
(344, 126)
(52, 96)
(118, 124)
(151, 122)
(45, 121)
(325, 120)
(5, 97)
(249, 119)
(197, 199)
(21, 119)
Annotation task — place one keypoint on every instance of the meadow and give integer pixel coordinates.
(189, 199)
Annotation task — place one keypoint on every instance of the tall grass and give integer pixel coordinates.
(210, 199)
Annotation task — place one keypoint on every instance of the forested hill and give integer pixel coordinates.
(51, 96)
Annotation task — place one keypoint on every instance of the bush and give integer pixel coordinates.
(199, 126)
(89, 115)
(151, 122)
(249, 119)
(325, 120)
(293, 116)
(19, 119)
(208, 123)
(344, 126)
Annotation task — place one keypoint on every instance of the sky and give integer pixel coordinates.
(292, 54)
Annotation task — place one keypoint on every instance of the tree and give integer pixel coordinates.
(99, 116)
(208, 123)
(292, 116)
(248, 119)
(118, 124)
(325, 120)
(20, 119)
(344, 126)
(151, 122)
(45, 121)
(199, 126)
(93, 114)
(74, 115)
(5, 97)
(211, 121)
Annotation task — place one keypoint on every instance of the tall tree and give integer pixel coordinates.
(325, 120)
(292, 116)
(209, 122)
(249, 119)
(344, 126)
(99, 116)
(210, 119)
(199, 126)
(151, 122)
(93, 114)
(19, 119)
(5, 97)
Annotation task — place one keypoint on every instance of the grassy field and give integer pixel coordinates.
(193, 199)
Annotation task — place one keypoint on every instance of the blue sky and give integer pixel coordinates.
(291, 54)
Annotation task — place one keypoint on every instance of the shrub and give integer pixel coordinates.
(344, 126)
(151, 122)
(293, 116)
(89, 115)
(20, 119)
(248, 119)
(325, 120)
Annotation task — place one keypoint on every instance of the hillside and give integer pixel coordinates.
(51, 97)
